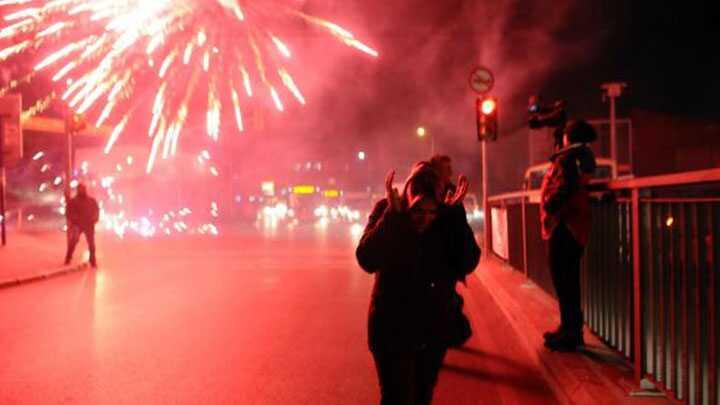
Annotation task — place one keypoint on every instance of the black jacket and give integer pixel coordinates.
(415, 276)
(83, 212)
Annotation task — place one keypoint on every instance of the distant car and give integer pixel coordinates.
(603, 173)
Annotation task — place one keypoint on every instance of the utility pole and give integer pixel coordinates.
(613, 90)
(74, 123)
(69, 159)
(11, 149)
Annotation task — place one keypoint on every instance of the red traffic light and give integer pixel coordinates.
(76, 123)
(487, 119)
(488, 106)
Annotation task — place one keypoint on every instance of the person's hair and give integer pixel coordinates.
(579, 131)
(438, 159)
(81, 189)
(423, 181)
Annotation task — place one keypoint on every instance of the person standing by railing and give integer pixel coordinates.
(566, 222)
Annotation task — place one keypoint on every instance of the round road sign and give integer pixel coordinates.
(481, 80)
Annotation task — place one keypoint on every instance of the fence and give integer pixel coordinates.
(649, 279)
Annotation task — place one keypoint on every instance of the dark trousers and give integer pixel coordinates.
(73, 236)
(408, 378)
(565, 254)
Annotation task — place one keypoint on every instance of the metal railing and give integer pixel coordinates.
(649, 279)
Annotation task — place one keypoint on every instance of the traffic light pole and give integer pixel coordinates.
(486, 214)
(487, 128)
(482, 81)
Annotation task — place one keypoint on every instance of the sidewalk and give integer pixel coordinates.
(29, 257)
(595, 375)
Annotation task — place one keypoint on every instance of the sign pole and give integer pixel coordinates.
(487, 217)
(3, 215)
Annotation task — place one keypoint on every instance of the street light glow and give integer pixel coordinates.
(361, 155)
(421, 131)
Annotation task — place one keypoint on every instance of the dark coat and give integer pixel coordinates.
(564, 195)
(415, 276)
(83, 212)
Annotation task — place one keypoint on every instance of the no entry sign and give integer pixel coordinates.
(481, 80)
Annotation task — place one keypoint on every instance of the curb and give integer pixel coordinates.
(576, 383)
(44, 276)
(562, 397)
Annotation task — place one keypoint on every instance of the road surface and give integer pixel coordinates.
(245, 318)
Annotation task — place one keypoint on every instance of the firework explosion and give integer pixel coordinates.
(101, 52)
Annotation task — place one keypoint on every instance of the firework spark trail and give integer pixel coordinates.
(114, 214)
(99, 51)
(236, 105)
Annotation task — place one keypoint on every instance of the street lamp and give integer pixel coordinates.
(421, 133)
(613, 90)
(361, 155)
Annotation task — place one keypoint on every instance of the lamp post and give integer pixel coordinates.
(613, 90)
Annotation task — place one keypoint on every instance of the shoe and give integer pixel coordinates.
(552, 334)
(566, 342)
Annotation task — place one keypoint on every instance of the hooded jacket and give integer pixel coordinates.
(83, 212)
(415, 276)
(564, 196)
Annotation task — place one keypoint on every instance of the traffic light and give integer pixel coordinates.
(76, 123)
(487, 119)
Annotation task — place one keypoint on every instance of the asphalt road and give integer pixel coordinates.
(247, 318)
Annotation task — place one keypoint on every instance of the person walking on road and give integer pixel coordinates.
(418, 247)
(82, 215)
(566, 222)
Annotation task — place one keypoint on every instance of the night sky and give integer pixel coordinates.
(665, 51)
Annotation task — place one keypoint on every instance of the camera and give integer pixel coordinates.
(552, 116)
(542, 115)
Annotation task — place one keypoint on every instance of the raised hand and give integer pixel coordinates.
(461, 190)
(391, 193)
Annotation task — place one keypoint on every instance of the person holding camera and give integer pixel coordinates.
(566, 223)
(418, 247)
(554, 116)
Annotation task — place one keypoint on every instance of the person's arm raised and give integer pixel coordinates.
(385, 225)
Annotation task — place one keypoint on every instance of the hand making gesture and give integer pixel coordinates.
(457, 197)
(391, 193)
